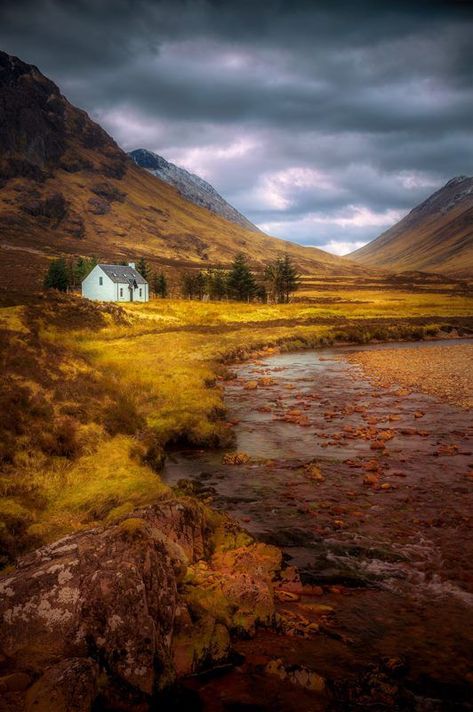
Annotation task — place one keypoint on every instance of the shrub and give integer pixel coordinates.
(62, 440)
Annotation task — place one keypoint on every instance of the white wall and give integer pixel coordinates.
(109, 291)
(144, 293)
(92, 289)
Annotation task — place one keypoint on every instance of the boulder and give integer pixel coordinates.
(151, 597)
(111, 592)
(69, 686)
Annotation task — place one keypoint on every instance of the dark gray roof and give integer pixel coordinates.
(122, 274)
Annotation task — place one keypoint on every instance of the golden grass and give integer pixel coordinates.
(125, 386)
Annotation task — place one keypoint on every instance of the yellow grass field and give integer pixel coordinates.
(95, 393)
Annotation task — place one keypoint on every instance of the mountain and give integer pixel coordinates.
(67, 188)
(436, 236)
(190, 186)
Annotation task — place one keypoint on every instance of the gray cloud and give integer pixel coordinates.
(322, 121)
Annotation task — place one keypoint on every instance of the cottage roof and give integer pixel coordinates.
(122, 274)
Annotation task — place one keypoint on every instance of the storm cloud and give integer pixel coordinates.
(323, 122)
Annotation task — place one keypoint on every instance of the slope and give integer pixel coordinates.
(190, 186)
(436, 236)
(67, 188)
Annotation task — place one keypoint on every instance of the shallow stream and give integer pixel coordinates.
(369, 492)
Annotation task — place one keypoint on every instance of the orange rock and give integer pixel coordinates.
(371, 479)
(236, 458)
(371, 465)
(266, 381)
(386, 435)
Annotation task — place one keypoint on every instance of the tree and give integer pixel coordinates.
(57, 275)
(200, 284)
(218, 285)
(261, 293)
(241, 284)
(143, 268)
(80, 269)
(273, 278)
(282, 279)
(290, 278)
(188, 286)
(159, 285)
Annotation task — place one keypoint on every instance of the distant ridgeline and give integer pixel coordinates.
(190, 186)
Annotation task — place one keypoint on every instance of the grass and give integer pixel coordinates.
(93, 394)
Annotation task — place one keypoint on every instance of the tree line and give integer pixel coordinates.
(276, 283)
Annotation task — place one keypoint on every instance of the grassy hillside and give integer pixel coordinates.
(437, 236)
(67, 188)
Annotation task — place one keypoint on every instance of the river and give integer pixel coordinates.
(369, 492)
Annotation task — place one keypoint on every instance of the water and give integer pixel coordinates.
(387, 533)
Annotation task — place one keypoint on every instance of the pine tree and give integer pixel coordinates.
(143, 268)
(290, 278)
(273, 278)
(241, 283)
(282, 279)
(159, 285)
(188, 286)
(80, 269)
(57, 276)
(219, 285)
(200, 284)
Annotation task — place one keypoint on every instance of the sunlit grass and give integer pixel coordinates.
(156, 377)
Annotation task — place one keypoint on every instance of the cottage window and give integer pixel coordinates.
(121, 291)
(140, 292)
(100, 281)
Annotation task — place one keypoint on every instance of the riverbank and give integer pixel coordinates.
(367, 490)
(96, 396)
(444, 371)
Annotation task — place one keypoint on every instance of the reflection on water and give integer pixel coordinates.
(369, 491)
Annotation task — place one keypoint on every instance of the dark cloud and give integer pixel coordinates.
(322, 121)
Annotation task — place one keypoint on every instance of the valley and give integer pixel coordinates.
(101, 398)
(252, 492)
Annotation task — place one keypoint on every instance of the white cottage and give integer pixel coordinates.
(115, 283)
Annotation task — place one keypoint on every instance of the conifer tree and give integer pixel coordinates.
(219, 285)
(57, 276)
(143, 268)
(188, 286)
(241, 283)
(282, 279)
(200, 284)
(290, 278)
(159, 285)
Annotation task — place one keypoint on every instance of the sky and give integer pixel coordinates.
(323, 122)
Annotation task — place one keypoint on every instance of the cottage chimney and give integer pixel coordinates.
(131, 264)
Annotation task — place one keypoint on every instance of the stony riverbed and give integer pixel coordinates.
(368, 488)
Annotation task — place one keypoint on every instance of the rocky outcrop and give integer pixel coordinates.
(154, 596)
(42, 131)
(190, 186)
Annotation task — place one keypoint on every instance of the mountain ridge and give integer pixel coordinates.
(191, 186)
(435, 236)
(67, 188)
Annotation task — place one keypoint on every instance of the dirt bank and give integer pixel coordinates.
(443, 371)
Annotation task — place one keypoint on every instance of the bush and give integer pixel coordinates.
(62, 440)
